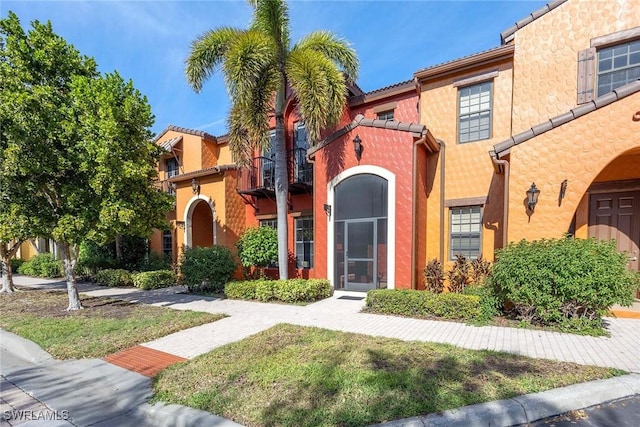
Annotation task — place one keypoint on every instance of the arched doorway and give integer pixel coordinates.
(361, 237)
(200, 227)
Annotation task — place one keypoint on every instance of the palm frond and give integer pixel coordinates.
(272, 17)
(319, 87)
(250, 54)
(207, 54)
(338, 50)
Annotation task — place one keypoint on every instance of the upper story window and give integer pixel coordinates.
(271, 152)
(618, 65)
(385, 115)
(171, 167)
(474, 112)
(466, 232)
(300, 135)
(273, 223)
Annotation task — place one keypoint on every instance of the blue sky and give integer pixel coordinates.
(148, 41)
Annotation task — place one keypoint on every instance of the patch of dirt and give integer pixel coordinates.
(53, 304)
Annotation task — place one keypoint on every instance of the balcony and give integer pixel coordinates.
(258, 179)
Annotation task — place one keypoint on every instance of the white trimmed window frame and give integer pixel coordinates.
(391, 218)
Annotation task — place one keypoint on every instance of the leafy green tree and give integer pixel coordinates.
(80, 141)
(260, 65)
(258, 247)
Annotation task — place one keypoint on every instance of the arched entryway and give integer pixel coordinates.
(361, 229)
(200, 226)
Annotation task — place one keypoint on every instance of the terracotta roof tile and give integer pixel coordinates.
(579, 111)
(196, 132)
(506, 34)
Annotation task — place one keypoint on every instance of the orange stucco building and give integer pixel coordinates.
(444, 163)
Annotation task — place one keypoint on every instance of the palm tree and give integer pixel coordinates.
(259, 65)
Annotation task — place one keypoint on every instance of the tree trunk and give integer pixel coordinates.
(282, 184)
(70, 259)
(119, 248)
(6, 253)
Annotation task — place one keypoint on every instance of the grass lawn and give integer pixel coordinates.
(294, 376)
(105, 326)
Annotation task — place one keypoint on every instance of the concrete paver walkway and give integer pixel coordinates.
(620, 350)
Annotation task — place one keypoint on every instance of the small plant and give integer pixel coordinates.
(154, 279)
(16, 263)
(459, 274)
(207, 269)
(42, 265)
(434, 276)
(155, 261)
(258, 247)
(114, 277)
(480, 270)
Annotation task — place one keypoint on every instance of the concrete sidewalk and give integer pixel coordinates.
(340, 312)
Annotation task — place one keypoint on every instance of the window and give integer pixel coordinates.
(304, 242)
(167, 242)
(300, 135)
(171, 167)
(466, 229)
(385, 115)
(474, 112)
(273, 223)
(617, 66)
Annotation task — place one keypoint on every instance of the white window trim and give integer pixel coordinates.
(188, 215)
(391, 218)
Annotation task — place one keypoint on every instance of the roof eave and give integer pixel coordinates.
(489, 56)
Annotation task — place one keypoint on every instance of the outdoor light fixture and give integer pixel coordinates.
(327, 209)
(532, 196)
(195, 186)
(180, 224)
(357, 147)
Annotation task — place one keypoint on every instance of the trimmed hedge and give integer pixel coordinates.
(114, 277)
(423, 304)
(154, 279)
(289, 291)
(42, 265)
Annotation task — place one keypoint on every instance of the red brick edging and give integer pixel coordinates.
(143, 360)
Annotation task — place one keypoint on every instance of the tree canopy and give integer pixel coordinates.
(77, 142)
(259, 65)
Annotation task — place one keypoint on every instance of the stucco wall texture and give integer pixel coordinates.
(546, 55)
(391, 150)
(578, 151)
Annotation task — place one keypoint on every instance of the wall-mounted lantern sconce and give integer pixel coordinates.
(563, 191)
(195, 186)
(180, 224)
(357, 147)
(327, 209)
(532, 196)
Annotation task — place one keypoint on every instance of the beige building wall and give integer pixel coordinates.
(546, 55)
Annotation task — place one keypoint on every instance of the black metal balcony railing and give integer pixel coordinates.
(258, 179)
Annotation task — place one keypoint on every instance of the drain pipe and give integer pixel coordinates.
(414, 210)
(443, 147)
(503, 166)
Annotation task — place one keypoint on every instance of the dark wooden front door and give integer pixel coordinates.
(617, 216)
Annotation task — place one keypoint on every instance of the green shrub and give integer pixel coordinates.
(434, 276)
(207, 269)
(423, 304)
(155, 262)
(241, 290)
(289, 291)
(459, 274)
(16, 263)
(114, 277)
(258, 247)
(554, 281)
(301, 290)
(489, 302)
(42, 265)
(154, 279)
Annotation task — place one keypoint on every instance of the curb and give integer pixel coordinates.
(23, 348)
(163, 415)
(530, 407)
